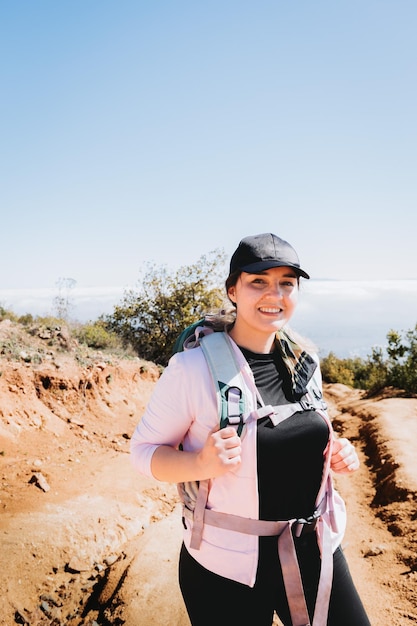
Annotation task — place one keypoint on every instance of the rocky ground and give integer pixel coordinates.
(84, 541)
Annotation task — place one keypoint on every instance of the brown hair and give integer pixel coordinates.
(231, 281)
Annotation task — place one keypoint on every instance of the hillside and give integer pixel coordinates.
(86, 542)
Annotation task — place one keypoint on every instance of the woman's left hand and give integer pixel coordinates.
(344, 458)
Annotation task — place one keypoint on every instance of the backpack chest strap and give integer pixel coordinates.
(278, 414)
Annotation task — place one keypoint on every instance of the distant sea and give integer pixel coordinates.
(347, 318)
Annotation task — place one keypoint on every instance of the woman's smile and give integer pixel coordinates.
(267, 309)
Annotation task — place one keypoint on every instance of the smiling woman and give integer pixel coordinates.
(249, 534)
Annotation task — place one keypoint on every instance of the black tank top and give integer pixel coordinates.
(289, 455)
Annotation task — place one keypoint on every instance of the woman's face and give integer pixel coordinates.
(265, 301)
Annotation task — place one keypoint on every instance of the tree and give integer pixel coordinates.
(402, 361)
(375, 372)
(151, 317)
(335, 370)
(62, 302)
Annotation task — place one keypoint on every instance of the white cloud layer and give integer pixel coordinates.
(350, 317)
(345, 317)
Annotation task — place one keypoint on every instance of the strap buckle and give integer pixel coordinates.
(306, 525)
(306, 403)
(234, 416)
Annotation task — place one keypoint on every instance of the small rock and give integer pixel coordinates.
(76, 422)
(374, 551)
(111, 560)
(78, 565)
(40, 481)
(19, 618)
(25, 356)
(46, 608)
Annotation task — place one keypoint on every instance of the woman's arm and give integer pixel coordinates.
(220, 454)
(183, 391)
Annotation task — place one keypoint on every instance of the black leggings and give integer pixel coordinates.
(212, 599)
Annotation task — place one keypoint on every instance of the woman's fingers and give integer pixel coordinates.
(344, 458)
(227, 444)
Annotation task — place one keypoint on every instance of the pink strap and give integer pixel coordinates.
(286, 550)
(198, 518)
(326, 576)
(292, 578)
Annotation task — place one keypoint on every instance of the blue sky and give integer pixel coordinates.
(137, 131)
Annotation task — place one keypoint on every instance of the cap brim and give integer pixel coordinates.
(261, 266)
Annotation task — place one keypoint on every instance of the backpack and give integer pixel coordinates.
(228, 380)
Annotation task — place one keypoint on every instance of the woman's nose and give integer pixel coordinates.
(276, 289)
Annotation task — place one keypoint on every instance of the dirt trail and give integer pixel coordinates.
(381, 535)
(85, 542)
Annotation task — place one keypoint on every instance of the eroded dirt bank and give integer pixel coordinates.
(381, 499)
(85, 542)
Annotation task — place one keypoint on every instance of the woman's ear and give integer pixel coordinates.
(231, 294)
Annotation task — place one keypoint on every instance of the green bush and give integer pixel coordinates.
(335, 370)
(7, 314)
(402, 355)
(95, 335)
(26, 320)
(396, 366)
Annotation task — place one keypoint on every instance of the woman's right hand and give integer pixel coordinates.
(221, 452)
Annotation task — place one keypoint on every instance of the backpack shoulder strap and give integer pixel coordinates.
(312, 399)
(187, 333)
(227, 377)
(314, 391)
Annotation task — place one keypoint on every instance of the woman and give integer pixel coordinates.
(267, 537)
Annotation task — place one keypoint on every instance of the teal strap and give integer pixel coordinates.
(227, 377)
(231, 388)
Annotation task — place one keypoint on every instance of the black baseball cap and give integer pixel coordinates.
(261, 252)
